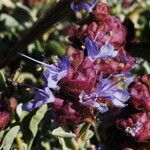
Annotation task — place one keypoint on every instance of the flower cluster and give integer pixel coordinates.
(138, 124)
(106, 32)
(87, 79)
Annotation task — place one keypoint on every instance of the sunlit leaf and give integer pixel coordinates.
(68, 144)
(7, 3)
(35, 120)
(9, 137)
(60, 132)
(9, 21)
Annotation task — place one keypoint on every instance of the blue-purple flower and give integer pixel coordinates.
(42, 96)
(101, 147)
(94, 52)
(108, 90)
(54, 72)
(87, 6)
(91, 100)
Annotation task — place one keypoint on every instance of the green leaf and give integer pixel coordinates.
(68, 143)
(60, 132)
(66, 139)
(1, 135)
(9, 137)
(84, 134)
(9, 21)
(20, 113)
(56, 48)
(146, 65)
(7, 3)
(35, 120)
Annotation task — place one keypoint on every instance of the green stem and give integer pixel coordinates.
(19, 142)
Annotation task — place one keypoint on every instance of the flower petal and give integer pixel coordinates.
(79, 6)
(87, 6)
(118, 103)
(121, 95)
(91, 47)
(41, 97)
(107, 51)
(54, 73)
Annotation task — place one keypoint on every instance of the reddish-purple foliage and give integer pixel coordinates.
(83, 78)
(140, 93)
(137, 126)
(4, 112)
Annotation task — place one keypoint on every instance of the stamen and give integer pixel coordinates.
(83, 47)
(121, 65)
(113, 84)
(39, 62)
(125, 78)
(108, 40)
(28, 89)
(96, 36)
(39, 69)
(103, 34)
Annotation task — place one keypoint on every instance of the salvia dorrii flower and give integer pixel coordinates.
(82, 5)
(42, 96)
(140, 93)
(92, 100)
(85, 79)
(110, 91)
(137, 126)
(128, 78)
(81, 79)
(71, 113)
(94, 52)
(105, 90)
(104, 31)
(54, 72)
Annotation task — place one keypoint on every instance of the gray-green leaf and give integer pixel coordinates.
(9, 137)
(60, 132)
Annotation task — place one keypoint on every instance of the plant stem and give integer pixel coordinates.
(19, 142)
